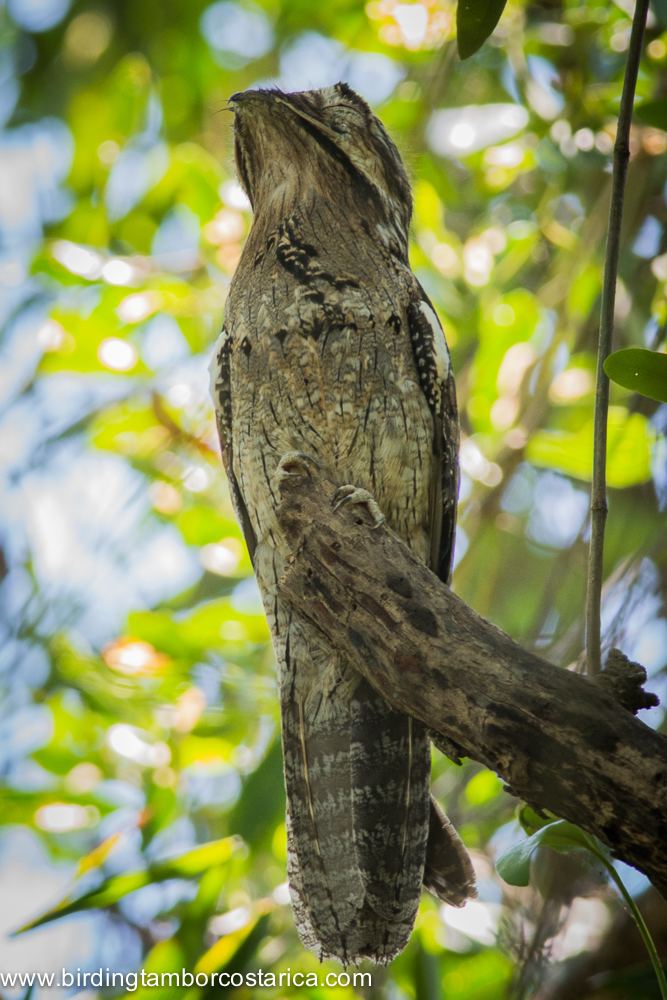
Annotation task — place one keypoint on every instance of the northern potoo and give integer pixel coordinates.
(331, 348)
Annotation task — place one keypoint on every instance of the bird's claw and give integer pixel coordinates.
(350, 494)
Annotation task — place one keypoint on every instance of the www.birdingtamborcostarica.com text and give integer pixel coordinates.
(131, 981)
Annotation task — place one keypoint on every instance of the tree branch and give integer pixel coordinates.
(558, 741)
(599, 485)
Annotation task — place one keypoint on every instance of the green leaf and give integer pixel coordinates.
(483, 787)
(222, 951)
(653, 113)
(629, 439)
(583, 291)
(640, 370)
(165, 956)
(129, 428)
(475, 20)
(505, 321)
(96, 858)
(199, 859)
(485, 975)
(87, 337)
(200, 524)
(187, 865)
(514, 865)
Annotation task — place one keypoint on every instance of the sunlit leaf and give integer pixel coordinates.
(196, 861)
(206, 750)
(482, 975)
(96, 858)
(111, 111)
(164, 957)
(200, 524)
(160, 627)
(112, 890)
(583, 290)
(483, 787)
(629, 439)
(188, 865)
(224, 949)
(93, 343)
(192, 179)
(507, 326)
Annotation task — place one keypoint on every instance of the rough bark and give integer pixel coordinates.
(557, 740)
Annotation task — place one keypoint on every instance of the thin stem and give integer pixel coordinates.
(599, 486)
(638, 918)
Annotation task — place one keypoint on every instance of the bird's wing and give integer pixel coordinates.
(448, 872)
(437, 382)
(222, 399)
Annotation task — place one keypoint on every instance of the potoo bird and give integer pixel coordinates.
(332, 349)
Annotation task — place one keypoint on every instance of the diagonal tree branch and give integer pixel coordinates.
(599, 485)
(557, 740)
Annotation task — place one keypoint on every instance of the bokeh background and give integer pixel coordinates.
(142, 806)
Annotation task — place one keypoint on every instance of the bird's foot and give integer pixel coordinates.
(350, 494)
(295, 463)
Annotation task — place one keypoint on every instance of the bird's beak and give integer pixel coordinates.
(247, 97)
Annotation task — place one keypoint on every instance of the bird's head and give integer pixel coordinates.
(320, 143)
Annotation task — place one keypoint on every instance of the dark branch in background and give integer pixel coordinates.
(558, 741)
(599, 486)
(179, 433)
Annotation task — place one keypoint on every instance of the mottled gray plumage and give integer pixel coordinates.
(331, 348)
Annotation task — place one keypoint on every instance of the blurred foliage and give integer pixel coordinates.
(140, 754)
(565, 838)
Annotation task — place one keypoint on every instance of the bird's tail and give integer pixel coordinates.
(357, 776)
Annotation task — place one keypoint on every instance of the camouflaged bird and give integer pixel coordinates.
(332, 349)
